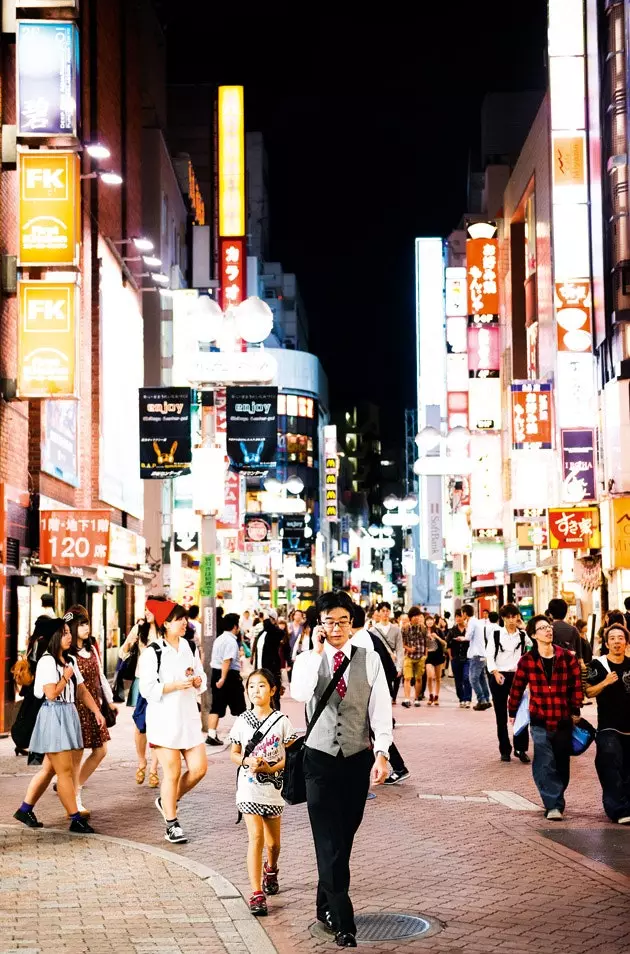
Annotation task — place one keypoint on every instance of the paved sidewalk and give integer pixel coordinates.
(463, 841)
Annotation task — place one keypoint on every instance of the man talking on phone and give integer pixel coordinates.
(339, 759)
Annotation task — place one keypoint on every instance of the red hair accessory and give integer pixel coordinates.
(161, 609)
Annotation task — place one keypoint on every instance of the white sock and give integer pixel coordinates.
(212, 733)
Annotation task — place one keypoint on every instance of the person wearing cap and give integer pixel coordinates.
(266, 652)
(171, 680)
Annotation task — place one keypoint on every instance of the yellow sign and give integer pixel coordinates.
(620, 532)
(49, 216)
(47, 339)
(231, 161)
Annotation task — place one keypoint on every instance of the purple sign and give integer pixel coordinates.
(578, 459)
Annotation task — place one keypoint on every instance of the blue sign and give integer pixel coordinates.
(48, 78)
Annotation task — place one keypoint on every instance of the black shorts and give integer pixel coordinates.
(231, 695)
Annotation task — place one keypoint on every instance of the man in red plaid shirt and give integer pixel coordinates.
(555, 697)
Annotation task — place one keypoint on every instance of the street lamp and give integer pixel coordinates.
(443, 455)
(109, 178)
(140, 242)
(97, 150)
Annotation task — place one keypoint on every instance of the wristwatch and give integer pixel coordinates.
(380, 752)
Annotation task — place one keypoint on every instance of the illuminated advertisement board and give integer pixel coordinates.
(231, 171)
(232, 260)
(47, 340)
(48, 89)
(48, 221)
(532, 423)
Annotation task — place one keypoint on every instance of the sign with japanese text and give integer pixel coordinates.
(165, 432)
(574, 315)
(578, 463)
(574, 528)
(483, 291)
(74, 537)
(531, 415)
(49, 226)
(232, 262)
(455, 292)
(569, 164)
(231, 160)
(483, 351)
(331, 467)
(230, 518)
(252, 428)
(620, 531)
(208, 576)
(48, 90)
(47, 339)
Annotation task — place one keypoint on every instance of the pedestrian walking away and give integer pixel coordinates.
(259, 738)
(57, 732)
(338, 757)
(476, 632)
(555, 697)
(458, 645)
(608, 681)
(171, 681)
(225, 679)
(505, 647)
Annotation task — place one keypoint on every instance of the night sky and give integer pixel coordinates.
(370, 124)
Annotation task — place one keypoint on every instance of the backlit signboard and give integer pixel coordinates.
(331, 466)
(48, 89)
(232, 261)
(483, 289)
(574, 528)
(47, 339)
(49, 208)
(574, 308)
(532, 425)
(74, 537)
(231, 161)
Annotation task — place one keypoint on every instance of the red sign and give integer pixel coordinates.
(574, 316)
(230, 517)
(574, 528)
(74, 537)
(531, 415)
(232, 264)
(457, 409)
(483, 351)
(483, 289)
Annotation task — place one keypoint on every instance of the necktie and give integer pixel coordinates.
(341, 685)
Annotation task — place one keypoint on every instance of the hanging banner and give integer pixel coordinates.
(48, 90)
(483, 290)
(574, 528)
(252, 428)
(331, 468)
(74, 537)
(165, 442)
(578, 461)
(60, 440)
(49, 210)
(531, 415)
(230, 517)
(47, 339)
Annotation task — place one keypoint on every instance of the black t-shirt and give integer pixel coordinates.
(548, 667)
(613, 702)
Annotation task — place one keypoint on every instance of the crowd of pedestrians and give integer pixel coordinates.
(347, 666)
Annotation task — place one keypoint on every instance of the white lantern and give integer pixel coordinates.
(208, 473)
(210, 317)
(254, 319)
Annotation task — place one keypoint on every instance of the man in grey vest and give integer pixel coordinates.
(339, 758)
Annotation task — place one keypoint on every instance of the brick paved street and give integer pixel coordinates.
(482, 867)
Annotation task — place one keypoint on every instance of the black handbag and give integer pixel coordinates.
(22, 728)
(294, 787)
(109, 713)
(128, 668)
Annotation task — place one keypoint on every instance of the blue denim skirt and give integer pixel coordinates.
(57, 729)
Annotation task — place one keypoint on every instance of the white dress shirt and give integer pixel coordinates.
(506, 659)
(363, 640)
(476, 633)
(173, 720)
(306, 674)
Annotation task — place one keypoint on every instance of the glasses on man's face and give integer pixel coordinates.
(330, 624)
(544, 628)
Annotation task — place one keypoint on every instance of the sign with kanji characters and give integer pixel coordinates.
(331, 467)
(532, 425)
(232, 262)
(231, 161)
(574, 528)
(74, 537)
(455, 291)
(578, 463)
(48, 89)
(208, 576)
(230, 517)
(165, 432)
(483, 290)
(46, 339)
(252, 429)
(574, 307)
(49, 209)
(483, 351)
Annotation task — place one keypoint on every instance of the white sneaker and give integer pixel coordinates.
(624, 821)
(554, 814)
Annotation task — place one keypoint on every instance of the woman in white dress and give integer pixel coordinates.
(171, 680)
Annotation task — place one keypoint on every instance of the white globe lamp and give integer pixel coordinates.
(208, 312)
(254, 319)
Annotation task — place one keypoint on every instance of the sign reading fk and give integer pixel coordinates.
(49, 208)
(47, 339)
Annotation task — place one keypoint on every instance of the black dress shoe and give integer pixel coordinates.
(345, 940)
(506, 758)
(524, 757)
(326, 923)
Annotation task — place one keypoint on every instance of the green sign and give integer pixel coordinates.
(208, 576)
(458, 583)
(274, 599)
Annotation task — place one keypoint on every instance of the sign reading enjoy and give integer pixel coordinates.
(252, 429)
(165, 443)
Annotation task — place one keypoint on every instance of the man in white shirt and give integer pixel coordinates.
(226, 682)
(338, 757)
(505, 647)
(391, 634)
(477, 632)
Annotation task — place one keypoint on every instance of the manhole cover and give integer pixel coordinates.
(386, 927)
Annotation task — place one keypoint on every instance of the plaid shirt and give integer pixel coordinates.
(415, 642)
(549, 703)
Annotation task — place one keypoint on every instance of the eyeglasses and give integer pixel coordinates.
(543, 628)
(330, 624)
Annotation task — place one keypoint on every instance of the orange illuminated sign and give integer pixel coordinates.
(47, 339)
(49, 210)
(532, 425)
(194, 194)
(231, 161)
(569, 160)
(232, 272)
(574, 528)
(483, 288)
(74, 537)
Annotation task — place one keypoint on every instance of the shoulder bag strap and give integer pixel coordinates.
(260, 733)
(604, 663)
(328, 691)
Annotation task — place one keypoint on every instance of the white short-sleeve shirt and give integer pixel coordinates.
(49, 670)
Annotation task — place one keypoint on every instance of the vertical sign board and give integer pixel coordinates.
(48, 88)
(331, 464)
(165, 432)
(532, 425)
(231, 161)
(232, 261)
(252, 428)
(483, 333)
(578, 459)
(49, 212)
(47, 339)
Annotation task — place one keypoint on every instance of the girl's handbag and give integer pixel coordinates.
(109, 713)
(294, 788)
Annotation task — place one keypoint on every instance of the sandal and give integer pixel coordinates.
(154, 780)
(141, 775)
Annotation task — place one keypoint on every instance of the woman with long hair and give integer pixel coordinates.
(57, 732)
(171, 680)
(95, 737)
(144, 633)
(436, 645)
(37, 644)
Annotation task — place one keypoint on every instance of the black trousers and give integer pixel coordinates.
(500, 700)
(336, 791)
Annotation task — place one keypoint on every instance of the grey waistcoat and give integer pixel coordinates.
(344, 724)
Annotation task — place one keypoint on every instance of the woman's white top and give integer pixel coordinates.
(173, 720)
(49, 671)
(108, 695)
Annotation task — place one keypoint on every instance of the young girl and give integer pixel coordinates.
(435, 660)
(259, 783)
